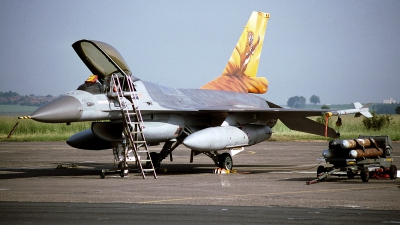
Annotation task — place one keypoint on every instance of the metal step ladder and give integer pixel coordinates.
(133, 123)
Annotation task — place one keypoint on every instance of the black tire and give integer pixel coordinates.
(364, 174)
(393, 172)
(225, 161)
(102, 176)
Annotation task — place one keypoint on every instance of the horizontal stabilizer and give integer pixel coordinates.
(306, 125)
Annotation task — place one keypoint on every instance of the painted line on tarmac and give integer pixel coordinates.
(307, 172)
(269, 194)
(310, 172)
(248, 153)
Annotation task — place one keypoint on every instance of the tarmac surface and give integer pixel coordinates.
(50, 182)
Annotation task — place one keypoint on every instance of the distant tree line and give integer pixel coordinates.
(299, 102)
(8, 94)
(13, 98)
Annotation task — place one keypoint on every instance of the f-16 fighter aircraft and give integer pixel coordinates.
(224, 114)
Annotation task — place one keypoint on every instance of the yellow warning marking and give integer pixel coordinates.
(267, 194)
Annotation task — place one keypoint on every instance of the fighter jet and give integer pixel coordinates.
(222, 116)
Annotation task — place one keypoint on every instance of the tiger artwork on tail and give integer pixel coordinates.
(240, 73)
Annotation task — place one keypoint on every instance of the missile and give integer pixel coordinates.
(219, 138)
(358, 110)
(367, 153)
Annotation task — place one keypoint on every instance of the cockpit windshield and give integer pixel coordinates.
(102, 59)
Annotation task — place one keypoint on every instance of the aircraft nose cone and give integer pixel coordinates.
(61, 110)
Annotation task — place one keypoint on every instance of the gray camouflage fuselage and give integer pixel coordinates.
(166, 111)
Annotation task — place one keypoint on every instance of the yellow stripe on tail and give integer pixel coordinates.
(240, 73)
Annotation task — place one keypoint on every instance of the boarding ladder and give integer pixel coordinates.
(133, 123)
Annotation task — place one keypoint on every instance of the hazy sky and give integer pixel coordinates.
(341, 51)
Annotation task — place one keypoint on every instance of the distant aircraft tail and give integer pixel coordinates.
(240, 73)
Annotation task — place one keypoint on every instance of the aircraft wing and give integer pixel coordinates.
(295, 119)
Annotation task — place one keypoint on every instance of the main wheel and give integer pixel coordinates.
(225, 161)
(393, 172)
(364, 174)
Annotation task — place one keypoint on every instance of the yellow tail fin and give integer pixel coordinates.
(240, 73)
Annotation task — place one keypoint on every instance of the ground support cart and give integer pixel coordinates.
(366, 156)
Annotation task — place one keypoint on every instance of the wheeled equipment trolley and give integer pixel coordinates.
(366, 156)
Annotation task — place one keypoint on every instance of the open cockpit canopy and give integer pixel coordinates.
(101, 58)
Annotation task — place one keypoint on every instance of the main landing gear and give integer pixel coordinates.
(225, 161)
